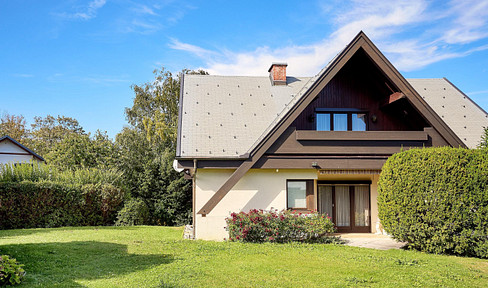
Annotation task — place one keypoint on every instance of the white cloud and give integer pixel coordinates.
(393, 26)
(85, 13)
(477, 92)
(200, 52)
(470, 23)
(143, 9)
(23, 75)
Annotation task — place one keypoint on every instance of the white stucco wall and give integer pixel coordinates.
(258, 189)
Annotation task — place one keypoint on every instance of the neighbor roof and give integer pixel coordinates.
(225, 116)
(6, 137)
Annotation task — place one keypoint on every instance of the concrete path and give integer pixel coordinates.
(368, 240)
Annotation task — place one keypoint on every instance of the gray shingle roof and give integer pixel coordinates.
(222, 116)
(227, 116)
(458, 111)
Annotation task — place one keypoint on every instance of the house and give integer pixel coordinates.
(12, 151)
(319, 143)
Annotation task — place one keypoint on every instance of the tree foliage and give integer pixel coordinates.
(484, 139)
(147, 150)
(14, 126)
(47, 131)
(143, 152)
(83, 151)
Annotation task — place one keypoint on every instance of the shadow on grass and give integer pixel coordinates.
(29, 231)
(50, 264)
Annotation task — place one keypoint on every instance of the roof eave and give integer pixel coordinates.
(22, 147)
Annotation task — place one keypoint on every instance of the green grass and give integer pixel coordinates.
(158, 257)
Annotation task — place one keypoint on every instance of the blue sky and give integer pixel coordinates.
(80, 58)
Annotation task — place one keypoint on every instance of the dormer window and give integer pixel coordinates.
(340, 120)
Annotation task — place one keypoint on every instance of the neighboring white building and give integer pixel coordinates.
(12, 151)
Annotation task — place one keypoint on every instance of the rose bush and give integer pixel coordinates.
(281, 227)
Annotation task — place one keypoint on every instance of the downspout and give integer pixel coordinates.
(194, 180)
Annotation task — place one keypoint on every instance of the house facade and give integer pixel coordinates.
(316, 143)
(12, 151)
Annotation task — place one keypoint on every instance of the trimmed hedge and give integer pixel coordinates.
(29, 204)
(281, 227)
(436, 199)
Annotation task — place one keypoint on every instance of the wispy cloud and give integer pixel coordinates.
(145, 10)
(412, 33)
(477, 93)
(106, 80)
(86, 12)
(200, 52)
(22, 75)
(148, 19)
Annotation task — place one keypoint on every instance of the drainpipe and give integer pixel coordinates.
(194, 180)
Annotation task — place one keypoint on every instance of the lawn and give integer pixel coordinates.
(158, 257)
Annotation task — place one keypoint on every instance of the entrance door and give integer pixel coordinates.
(347, 205)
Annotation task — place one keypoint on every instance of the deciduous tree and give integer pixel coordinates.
(14, 126)
(147, 150)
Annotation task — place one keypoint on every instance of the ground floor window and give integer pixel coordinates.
(348, 204)
(299, 194)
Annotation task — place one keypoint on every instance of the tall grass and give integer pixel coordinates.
(39, 172)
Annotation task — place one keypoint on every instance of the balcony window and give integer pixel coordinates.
(358, 121)
(340, 120)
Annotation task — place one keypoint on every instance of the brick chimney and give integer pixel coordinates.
(277, 73)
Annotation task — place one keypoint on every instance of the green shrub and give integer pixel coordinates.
(134, 212)
(11, 272)
(274, 226)
(29, 204)
(436, 199)
(39, 172)
(34, 195)
(101, 203)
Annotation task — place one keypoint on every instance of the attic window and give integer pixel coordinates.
(340, 120)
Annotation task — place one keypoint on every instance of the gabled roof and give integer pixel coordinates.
(6, 137)
(207, 134)
(228, 116)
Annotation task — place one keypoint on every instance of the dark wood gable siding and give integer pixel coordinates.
(361, 85)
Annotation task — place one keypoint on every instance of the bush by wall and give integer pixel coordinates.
(436, 199)
(284, 226)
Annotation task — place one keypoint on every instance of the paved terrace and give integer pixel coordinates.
(368, 240)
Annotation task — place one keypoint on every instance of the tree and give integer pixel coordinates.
(155, 108)
(147, 150)
(484, 139)
(14, 126)
(48, 131)
(82, 151)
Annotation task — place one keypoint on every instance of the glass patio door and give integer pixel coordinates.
(347, 205)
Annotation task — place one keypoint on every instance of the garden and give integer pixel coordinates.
(154, 256)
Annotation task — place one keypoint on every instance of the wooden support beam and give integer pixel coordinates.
(224, 189)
